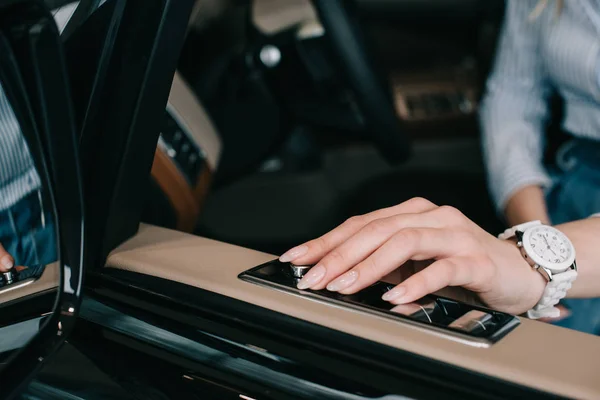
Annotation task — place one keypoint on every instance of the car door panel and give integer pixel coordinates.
(522, 357)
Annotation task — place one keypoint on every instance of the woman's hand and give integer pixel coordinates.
(366, 248)
(6, 260)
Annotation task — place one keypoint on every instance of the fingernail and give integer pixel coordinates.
(294, 253)
(7, 262)
(313, 277)
(343, 282)
(394, 294)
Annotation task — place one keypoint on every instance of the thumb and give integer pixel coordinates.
(6, 260)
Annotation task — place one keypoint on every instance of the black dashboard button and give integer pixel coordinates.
(453, 309)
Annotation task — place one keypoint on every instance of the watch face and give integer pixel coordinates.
(548, 247)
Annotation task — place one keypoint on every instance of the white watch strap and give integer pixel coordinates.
(510, 232)
(555, 290)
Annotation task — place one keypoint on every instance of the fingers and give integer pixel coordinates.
(455, 271)
(407, 244)
(312, 251)
(361, 245)
(6, 260)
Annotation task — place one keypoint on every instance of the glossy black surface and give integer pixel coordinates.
(246, 361)
(33, 72)
(128, 76)
(443, 314)
(27, 308)
(317, 352)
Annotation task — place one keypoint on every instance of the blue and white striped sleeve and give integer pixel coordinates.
(515, 108)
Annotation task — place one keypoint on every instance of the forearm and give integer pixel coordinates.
(585, 235)
(528, 204)
(513, 115)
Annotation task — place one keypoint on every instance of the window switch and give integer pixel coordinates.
(472, 322)
(425, 310)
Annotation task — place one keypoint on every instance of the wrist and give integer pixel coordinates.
(533, 283)
(551, 254)
(583, 234)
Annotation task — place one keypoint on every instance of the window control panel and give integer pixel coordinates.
(176, 142)
(469, 324)
(19, 277)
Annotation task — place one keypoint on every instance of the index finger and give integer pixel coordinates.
(312, 251)
(6, 260)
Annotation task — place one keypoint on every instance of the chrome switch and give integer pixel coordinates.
(299, 270)
(422, 309)
(472, 321)
(8, 277)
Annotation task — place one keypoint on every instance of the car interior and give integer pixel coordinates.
(284, 118)
(301, 152)
(299, 170)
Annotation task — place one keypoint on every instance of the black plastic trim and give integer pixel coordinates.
(187, 305)
(119, 134)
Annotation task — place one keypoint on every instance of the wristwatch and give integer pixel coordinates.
(552, 254)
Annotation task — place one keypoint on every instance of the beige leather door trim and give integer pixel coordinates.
(272, 16)
(535, 354)
(186, 108)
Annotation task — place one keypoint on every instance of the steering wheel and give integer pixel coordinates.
(345, 37)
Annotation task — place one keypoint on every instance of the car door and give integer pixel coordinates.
(40, 74)
(179, 312)
(42, 209)
(172, 315)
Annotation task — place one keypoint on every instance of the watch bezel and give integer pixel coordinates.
(554, 267)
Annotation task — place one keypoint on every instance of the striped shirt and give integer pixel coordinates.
(535, 56)
(18, 176)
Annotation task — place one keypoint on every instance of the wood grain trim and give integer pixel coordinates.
(203, 185)
(185, 199)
